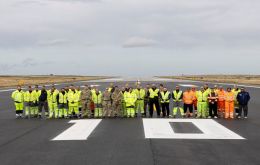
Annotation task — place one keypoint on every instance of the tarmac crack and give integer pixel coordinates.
(153, 152)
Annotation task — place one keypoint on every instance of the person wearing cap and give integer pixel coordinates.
(221, 102)
(177, 95)
(213, 104)
(165, 97)
(243, 98)
(236, 90)
(202, 96)
(229, 104)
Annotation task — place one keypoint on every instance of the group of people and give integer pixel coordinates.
(72, 102)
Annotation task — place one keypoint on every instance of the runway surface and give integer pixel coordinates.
(126, 141)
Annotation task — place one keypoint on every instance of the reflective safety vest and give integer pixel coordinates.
(18, 96)
(202, 96)
(140, 94)
(208, 91)
(73, 98)
(221, 95)
(153, 93)
(130, 98)
(52, 97)
(37, 94)
(177, 96)
(63, 98)
(29, 96)
(165, 97)
(97, 98)
(229, 96)
(235, 94)
(188, 97)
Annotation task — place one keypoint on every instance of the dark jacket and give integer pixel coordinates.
(43, 96)
(243, 98)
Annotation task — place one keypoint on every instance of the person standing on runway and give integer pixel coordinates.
(153, 94)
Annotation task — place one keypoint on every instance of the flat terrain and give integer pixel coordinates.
(234, 79)
(9, 81)
(123, 141)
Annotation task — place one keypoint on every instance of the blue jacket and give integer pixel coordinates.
(243, 98)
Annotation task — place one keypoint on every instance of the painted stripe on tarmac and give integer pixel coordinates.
(161, 129)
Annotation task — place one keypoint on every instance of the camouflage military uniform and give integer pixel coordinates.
(86, 101)
(117, 98)
(106, 104)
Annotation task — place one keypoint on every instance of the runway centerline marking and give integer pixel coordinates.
(79, 131)
(161, 129)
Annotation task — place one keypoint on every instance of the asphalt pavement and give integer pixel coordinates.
(123, 141)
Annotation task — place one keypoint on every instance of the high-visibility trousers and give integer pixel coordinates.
(74, 109)
(229, 109)
(139, 106)
(221, 108)
(130, 111)
(63, 110)
(177, 105)
(123, 108)
(53, 110)
(18, 106)
(98, 111)
(202, 109)
(29, 109)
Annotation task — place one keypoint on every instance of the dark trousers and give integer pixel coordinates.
(213, 109)
(43, 104)
(243, 108)
(188, 106)
(156, 103)
(165, 109)
(145, 106)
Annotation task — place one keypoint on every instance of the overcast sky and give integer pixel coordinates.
(129, 37)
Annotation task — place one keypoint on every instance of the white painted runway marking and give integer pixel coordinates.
(161, 129)
(79, 131)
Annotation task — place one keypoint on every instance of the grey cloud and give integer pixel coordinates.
(139, 42)
(53, 42)
(25, 63)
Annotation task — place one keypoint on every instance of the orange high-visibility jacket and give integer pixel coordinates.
(229, 96)
(194, 95)
(221, 95)
(188, 97)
